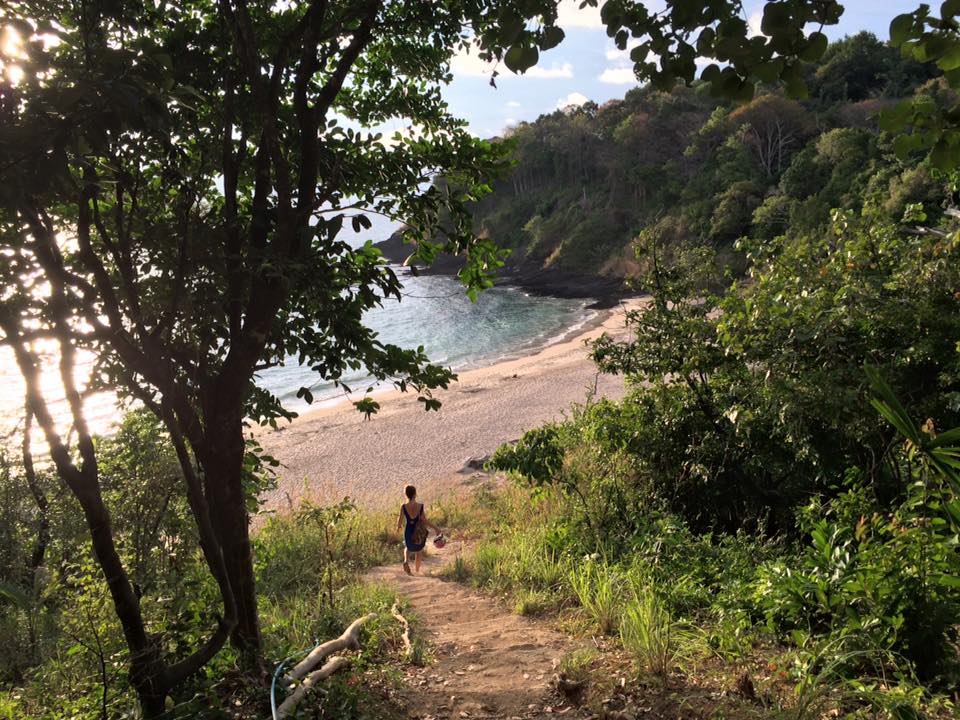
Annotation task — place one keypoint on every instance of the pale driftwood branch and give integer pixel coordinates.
(349, 640)
(332, 665)
(395, 611)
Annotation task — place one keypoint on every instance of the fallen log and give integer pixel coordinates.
(338, 662)
(349, 640)
(395, 611)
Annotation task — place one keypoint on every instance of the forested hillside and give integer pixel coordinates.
(781, 480)
(587, 179)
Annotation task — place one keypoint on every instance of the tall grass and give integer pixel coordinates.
(649, 633)
(308, 567)
(598, 588)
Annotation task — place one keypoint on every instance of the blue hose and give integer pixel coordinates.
(276, 674)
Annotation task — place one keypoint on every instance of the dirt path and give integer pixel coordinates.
(487, 661)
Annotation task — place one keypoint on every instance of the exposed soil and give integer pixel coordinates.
(484, 661)
(487, 661)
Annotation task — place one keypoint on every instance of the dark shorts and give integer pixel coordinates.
(411, 545)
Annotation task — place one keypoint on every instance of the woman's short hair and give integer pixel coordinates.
(410, 491)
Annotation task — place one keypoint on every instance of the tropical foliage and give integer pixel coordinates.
(588, 179)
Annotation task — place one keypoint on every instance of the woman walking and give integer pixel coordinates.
(415, 532)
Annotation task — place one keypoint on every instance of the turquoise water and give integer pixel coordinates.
(435, 312)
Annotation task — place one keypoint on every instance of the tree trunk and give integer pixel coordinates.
(222, 462)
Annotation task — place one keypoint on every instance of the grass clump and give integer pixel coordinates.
(575, 665)
(458, 570)
(649, 633)
(598, 588)
(419, 654)
(534, 602)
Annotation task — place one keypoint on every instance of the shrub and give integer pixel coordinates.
(877, 581)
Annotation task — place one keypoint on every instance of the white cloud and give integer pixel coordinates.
(573, 99)
(570, 14)
(551, 73)
(468, 62)
(513, 104)
(510, 121)
(703, 62)
(754, 22)
(618, 76)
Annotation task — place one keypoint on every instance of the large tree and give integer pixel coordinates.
(176, 182)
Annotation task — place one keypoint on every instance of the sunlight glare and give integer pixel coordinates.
(14, 74)
(10, 43)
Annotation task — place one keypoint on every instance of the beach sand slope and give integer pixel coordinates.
(333, 452)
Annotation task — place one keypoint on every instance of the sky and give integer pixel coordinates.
(587, 66)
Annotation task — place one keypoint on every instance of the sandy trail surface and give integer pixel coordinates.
(333, 452)
(488, 662)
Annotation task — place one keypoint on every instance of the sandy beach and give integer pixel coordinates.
(333, 452)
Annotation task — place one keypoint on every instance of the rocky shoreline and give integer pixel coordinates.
(606, 292)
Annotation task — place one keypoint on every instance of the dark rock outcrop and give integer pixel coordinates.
(537, 280)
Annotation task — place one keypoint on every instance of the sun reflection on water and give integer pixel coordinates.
(100, 408)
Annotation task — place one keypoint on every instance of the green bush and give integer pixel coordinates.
(880, 581)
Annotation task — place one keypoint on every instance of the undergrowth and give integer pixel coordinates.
(308, 566)
(683, 605)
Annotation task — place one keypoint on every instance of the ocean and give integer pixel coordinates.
(434, 312)
(455, 332)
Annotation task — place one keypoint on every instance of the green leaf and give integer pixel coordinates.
(521, 58)
(950, 581)
(639, 53)
(901, 28)
(950, 9)
(776, 19)
(903, 145)
(368, 406)
(949, 57)
(705, 40)
(15, 594)
(514, 58)
(796, 88)
(945, 155)
(948, 437)
(889, 407)
(745, 93)
(896, 118)
(769, 72)
(552, 36)
(711, 73)
(816, 47)
(531, 56)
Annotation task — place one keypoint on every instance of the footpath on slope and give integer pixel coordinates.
(486, 661)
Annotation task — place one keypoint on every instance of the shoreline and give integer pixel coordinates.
(331, 452)
(600, 316)
(605, 291)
